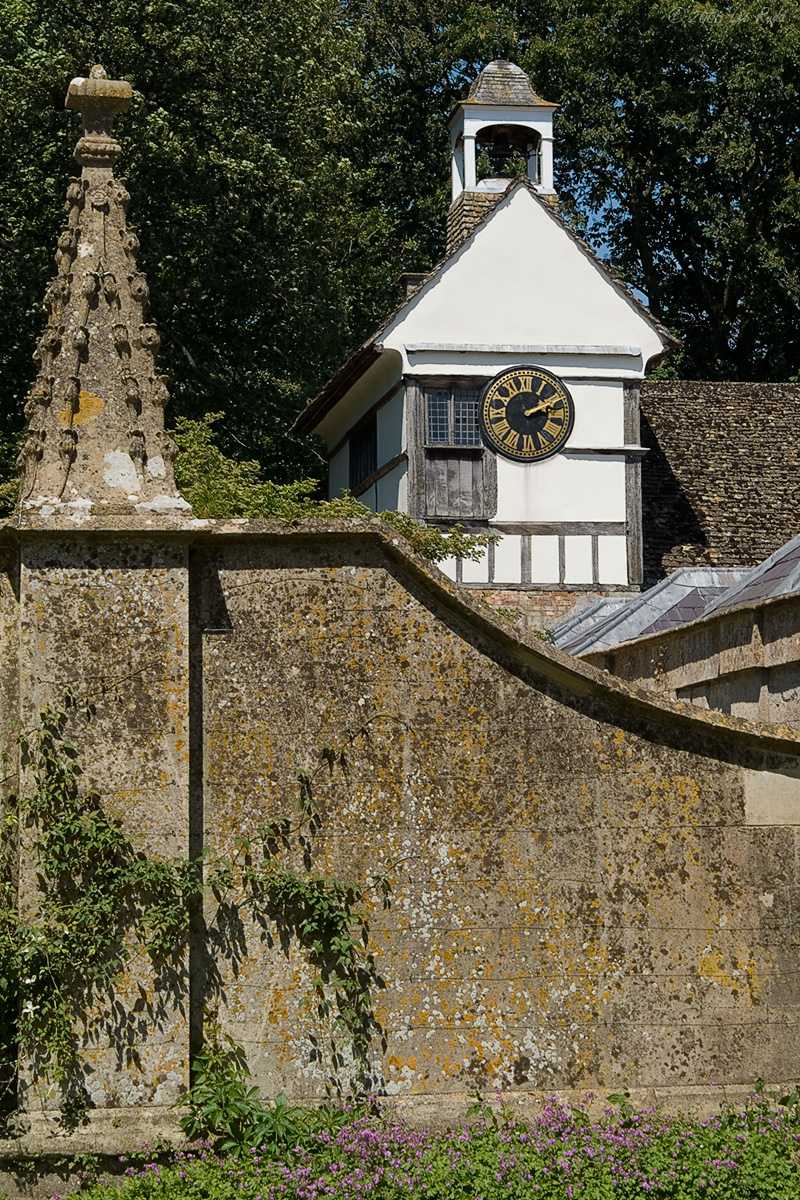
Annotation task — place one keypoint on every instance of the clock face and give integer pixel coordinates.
(526, 414)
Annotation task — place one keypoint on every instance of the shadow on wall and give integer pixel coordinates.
(668, 519)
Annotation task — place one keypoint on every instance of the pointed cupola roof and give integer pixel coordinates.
(503, 83)
(96, 441)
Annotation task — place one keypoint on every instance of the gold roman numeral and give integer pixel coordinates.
(500, 427)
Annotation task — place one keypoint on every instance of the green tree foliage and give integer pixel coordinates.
(288, 161)
(677, 149)
(92, 911)
(218, 486)
(680, 128)
(262, 236)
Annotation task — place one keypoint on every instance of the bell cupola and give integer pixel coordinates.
(502, 130)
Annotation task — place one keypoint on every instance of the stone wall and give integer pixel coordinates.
(721, 481)
(108, 619)
(745, 662)
(589, 887)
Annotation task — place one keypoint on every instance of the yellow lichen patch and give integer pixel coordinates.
(89, 407)
(711, 967)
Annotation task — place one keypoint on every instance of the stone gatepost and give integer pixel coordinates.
(96, 602)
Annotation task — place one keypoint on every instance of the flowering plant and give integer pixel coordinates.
(745, 1152)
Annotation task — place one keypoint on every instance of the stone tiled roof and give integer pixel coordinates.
(684, 596)
(778, 575)
(721, 480)
(503, 83)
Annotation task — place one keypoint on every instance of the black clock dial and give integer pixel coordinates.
(526, 414)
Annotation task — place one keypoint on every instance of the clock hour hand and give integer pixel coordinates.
(529, 412)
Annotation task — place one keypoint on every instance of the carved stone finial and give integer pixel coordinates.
(98, 99)
(96, 441)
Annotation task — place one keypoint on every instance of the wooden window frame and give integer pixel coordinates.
(367, 428)
(451, 388)
(421, 451)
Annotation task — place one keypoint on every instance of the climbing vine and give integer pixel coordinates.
(324, 916)
(90, 901)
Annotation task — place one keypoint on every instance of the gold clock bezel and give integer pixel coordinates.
(533, 449)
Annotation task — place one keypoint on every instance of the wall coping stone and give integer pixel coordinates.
(576, 676)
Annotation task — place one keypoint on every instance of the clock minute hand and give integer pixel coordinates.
(538, 407)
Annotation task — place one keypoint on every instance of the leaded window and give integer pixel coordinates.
(452, 416)
(452, 475)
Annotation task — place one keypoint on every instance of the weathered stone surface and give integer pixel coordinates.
(108, 619)
(745, 661)
(591, 887)
(95, 414)
(720, 484)
(503, 83)
(539, 837)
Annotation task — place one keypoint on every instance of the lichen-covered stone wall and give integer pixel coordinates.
(107, 618)
(591, 888)
(579, 899)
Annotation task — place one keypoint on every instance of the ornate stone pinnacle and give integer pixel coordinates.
(95, 414)
(98, 99)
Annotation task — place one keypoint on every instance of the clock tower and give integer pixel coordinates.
(503, 393)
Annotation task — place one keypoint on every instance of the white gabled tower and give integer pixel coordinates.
(517, 288)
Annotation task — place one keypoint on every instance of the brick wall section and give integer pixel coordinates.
(721, 481)
(542, 610)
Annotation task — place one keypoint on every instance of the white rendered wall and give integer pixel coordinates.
(339, 471)
(522, 279)
(365, 392)
(557, 561)
(613, 556)
(508, 559)
(562, 488)
(390, 428)
(544, 559)
(475, 572)
(391, 491)
(578, 559)
(599, 414)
